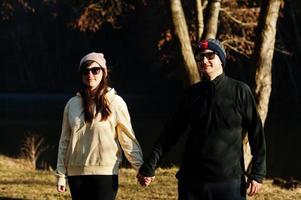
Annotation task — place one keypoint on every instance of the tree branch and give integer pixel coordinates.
(230, 16)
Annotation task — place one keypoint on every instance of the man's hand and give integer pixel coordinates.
(144, 181)
(61, 188)
(253, 186)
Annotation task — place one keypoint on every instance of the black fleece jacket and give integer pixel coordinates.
(219, 114)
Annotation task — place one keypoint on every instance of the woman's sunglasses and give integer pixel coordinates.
(94, 70)
(200, 56)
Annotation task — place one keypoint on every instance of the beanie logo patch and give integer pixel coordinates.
(204, 45)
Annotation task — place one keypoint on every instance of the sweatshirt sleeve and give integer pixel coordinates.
(60, 171)
(172, 131)
(126, 136)
(256, 139)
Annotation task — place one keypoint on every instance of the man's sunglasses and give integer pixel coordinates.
(94, 70)
(209, 55)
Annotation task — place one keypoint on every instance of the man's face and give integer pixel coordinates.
(209, 63)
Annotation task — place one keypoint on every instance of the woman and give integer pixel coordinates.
(96, 129)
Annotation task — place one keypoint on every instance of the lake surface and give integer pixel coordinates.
(42, 114)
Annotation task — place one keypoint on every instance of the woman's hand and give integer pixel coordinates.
(144, 181)
(61, 188)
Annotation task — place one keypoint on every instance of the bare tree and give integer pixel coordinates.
(200, 19)
(263, 55)
(181, 31)
(212, 23)
(32, 147)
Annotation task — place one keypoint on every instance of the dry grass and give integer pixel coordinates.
(19, 181)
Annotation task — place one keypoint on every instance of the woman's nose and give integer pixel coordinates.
(90, 73)
(205, 60)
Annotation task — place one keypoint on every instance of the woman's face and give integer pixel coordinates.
(92, 75)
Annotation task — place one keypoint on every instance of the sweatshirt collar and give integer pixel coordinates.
(109, 94)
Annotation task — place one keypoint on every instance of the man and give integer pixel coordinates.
(219, 111)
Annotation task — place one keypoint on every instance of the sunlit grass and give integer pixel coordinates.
(19, 181)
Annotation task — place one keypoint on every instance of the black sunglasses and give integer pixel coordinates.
(94, 70)
(209, 55)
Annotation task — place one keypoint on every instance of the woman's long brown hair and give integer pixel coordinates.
(96, 97)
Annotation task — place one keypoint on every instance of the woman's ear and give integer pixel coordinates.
(105, 72)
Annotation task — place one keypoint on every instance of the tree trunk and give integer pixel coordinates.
(181, 31)
(200, 18)
(211, 25)
(263, 54)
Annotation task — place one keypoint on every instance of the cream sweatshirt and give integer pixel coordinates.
(96, 148)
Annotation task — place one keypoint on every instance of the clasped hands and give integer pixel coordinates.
(143, 180)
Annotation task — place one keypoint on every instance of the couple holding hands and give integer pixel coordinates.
(217, 112)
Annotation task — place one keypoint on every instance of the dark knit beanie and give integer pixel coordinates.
(215, 46)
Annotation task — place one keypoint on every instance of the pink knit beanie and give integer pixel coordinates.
(97, 57)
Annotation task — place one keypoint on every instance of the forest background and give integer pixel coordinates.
(42, 42)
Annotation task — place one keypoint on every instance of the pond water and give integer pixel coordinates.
(42, 114)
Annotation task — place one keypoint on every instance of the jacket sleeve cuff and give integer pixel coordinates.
(61, 181)
(256, 178)
(146, 172)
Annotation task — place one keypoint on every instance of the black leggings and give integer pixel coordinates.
(93, 187)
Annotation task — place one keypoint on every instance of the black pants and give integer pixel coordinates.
(93, 187)
(225, 190)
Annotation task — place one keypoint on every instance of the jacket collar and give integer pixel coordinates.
(218, 81)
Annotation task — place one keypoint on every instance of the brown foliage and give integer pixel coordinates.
(237, 24)
(9, 7)
(237, 27)
(95, 13)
